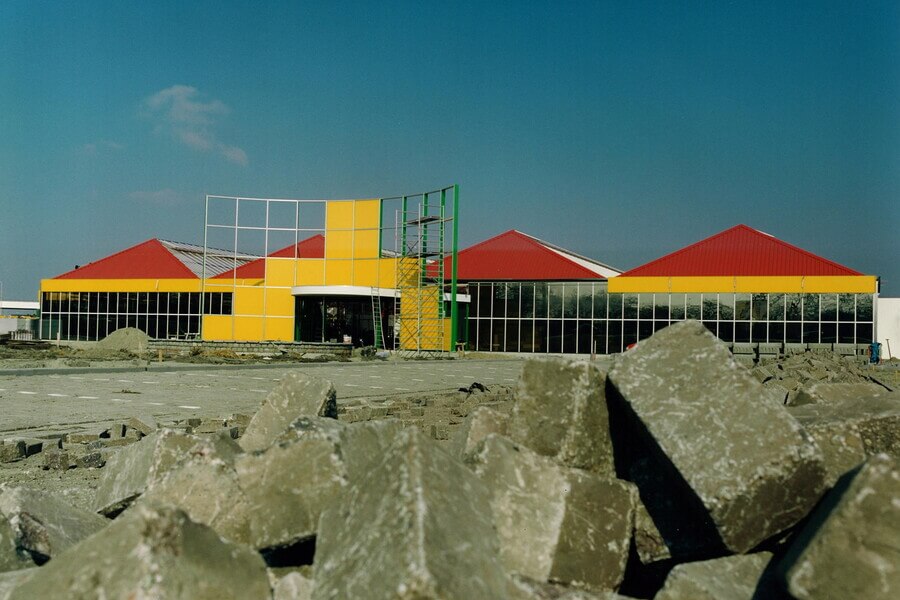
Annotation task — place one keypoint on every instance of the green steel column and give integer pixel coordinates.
(403, 227)
(454, 310)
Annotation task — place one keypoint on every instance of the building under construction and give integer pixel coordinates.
(386, 272)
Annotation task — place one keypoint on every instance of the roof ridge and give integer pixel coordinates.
(567, 251)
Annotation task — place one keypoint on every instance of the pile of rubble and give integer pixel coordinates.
(673, 474)
(790, 373)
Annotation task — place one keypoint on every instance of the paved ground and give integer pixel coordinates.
(41, 403)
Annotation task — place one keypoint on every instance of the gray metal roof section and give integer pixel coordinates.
(217, 260)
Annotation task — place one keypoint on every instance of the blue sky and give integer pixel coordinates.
(621, 131)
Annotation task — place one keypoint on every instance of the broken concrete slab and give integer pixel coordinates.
(520, 587)
(151, 552)
(848, 548)
(478, 425)
(128, 473)
(408, 529)
(11, 450)
(877, 419)
(287, 487)
(296, 395)
(145, 424)
(59, 460)
(841, 443)
(819, 393)
(728, 578)
(9, 580)
(11, 557)
(43, 525)
(554, 523)
(734, 463)
(560, 411)
(292, 586)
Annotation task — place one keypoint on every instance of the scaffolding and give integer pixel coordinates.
(426, 244)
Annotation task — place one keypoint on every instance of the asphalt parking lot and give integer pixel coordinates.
(60, 400)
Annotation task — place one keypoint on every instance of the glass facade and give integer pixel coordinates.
(94, 315)
(581, 317)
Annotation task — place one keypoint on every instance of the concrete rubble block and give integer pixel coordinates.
(90, 460)
(145, 424)
(151, 552)
(291, 586)
(848, 548)
(128, 473)
(44, 526)
(729, 578)
(204, 485)
(12, 450)
(305, 471)
(560, 411)
(408, 529)
(734, 463)
(9, 580)
(821, 393)
(876, 418)
(295, 395)
(520, 587)
(554, 523)
(648, 541)
(12, 558)
(59, 460)
(480, 422)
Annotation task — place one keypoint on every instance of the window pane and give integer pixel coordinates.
(584, 337)
(811, 333)
(615, 305)
(758, 332)
(864, 307)
(600, 300)
(741, 307)
(661, 307)
(793, 307)
(499, 304)
(759, 308)
(693, 306)
(645, 329)
(645, 306)
(614, 337)
(512, 299)
(483, 340)
(793, 333)
(512, 335)
(846, 333)
(526, 336)
(847, 307)
(710, 307)
(864, 333)
(630, 306)
(776, 307)
(726, 331)
(570, 302)
(829, 333)
(541, 294)
(629, 333)
(540, 336)
(828, 307)
(585, 304)
(726, 307)
(741, 332)
(555, 300)
(599, 337)
(555, 329)
(527, 296)
(570, 335)
(482, 299)
(677, 301)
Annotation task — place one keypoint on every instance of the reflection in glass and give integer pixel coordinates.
(661, 307)
(677, 302)
(630, 306)
(726, 307)
(863, 307)
(585, 304)
(846, 307)
(759, 307)
(829, 307)
(693, 306)
(741, 308)
(710, 307)
(645, 306)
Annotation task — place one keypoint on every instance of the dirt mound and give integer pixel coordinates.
(129, 339)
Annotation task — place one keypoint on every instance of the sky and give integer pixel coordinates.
(619, 130)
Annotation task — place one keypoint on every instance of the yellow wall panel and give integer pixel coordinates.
(216, 327)
(280, 271)
(857, 284)
(365, 244)
(366, 273)
(281, 330)
(248, 301)
(388, 272)
(638, 284)
(338, 245)
(120, 285)
(248, 329)
(279, 302)
(698, 285)
(367, 222)
(339, 272)
(311, 271)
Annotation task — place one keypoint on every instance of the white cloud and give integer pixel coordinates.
(180, 111)
(166, 196)
(96, 147)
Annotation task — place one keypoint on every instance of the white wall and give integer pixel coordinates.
(888, 326)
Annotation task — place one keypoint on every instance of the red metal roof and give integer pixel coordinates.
(313, 247)
(516, 256)
(147, 260)
(739, 251)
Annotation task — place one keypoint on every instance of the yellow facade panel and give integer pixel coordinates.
(120, 285)
(248, 329)
(217, 327)
(310, 271)
(339, 272)
(280, 271)
(388, 272)
(338, 245)
(279, 303)
(365, 244)
(280, 330)
(366, 273)
(248, 301)
(858, 284)
(638, 284)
